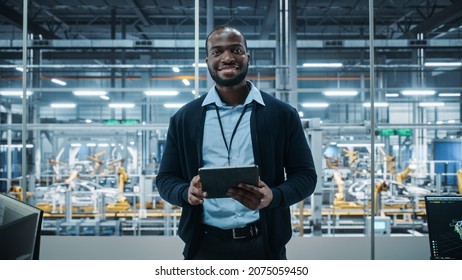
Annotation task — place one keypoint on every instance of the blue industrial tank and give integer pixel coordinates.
(450, 152)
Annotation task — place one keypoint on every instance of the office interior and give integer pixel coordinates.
(87, 91)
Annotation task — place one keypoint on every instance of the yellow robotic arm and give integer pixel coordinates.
(379, 188)
(121, 204)
(98, 163)
(402, 175)
(123, 178)
(339, 195)
(352, 155)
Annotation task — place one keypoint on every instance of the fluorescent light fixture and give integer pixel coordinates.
(359, 145)
(301, 114)
(58, 82)
(376, 104)
(418, 92)
(201, 65)
(322, 65)
(443, 64)
(186, 82)
(449, 94)
(75, 145)
(340, 93)
(88, 121)
(391, 94)
(89, 92)
(63, 105)
(173, 105)
(20, 69)
(104, 97)
(451, 121)
(14, 92)
(439, 122)
(431, 104)
(161, 92)
(315, 105)
(175, 69)
(17, 146)
(91, 144)
(103, 145)
(121, 105)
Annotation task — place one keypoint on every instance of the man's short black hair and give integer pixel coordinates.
(223, 27)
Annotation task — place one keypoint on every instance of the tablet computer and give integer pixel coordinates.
(217, 180)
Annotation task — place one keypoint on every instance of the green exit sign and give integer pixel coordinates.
(404, 132)
(129, 121)
(391, 132)
(386, 132)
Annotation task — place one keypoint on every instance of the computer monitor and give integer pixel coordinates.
(444, 219)
(20, 227)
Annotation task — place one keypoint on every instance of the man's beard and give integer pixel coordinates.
(229, 82)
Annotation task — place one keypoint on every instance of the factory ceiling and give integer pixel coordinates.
(174, 19)
(131, 45)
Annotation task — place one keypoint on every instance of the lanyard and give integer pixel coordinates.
(228, 148)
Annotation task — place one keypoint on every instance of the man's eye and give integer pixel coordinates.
(215, 53)
(238, 51)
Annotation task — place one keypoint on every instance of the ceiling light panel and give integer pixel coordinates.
(14, 92)
(58, 82)
(121, 105)
(322, 65)
(443, 64)
(340, 93)
(63, 105)
(417, 92)
(449, 94)
(315, 105)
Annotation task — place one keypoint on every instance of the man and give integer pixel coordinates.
(235, 124)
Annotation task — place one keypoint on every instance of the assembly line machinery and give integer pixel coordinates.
(110, 189)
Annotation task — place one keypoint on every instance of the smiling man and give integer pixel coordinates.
(235, 124)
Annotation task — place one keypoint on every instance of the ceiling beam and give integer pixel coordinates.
(139, 12)
(426, 26)
(15, 18)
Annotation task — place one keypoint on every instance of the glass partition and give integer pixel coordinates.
(103, 82)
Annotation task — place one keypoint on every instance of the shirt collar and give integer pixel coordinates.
(213, 97)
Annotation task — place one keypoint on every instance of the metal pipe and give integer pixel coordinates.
(196, 48)
(168, 66)
(372, 94)
(24, 102)
(210, 26)
(9, 150)
(299, 90)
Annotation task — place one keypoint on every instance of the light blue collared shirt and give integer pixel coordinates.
(228, 213)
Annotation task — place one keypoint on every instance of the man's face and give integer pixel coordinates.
(227, 58)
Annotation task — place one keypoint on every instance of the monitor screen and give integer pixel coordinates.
(444, 218)
(20, 226)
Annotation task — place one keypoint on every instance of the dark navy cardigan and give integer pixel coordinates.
(279, 144)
